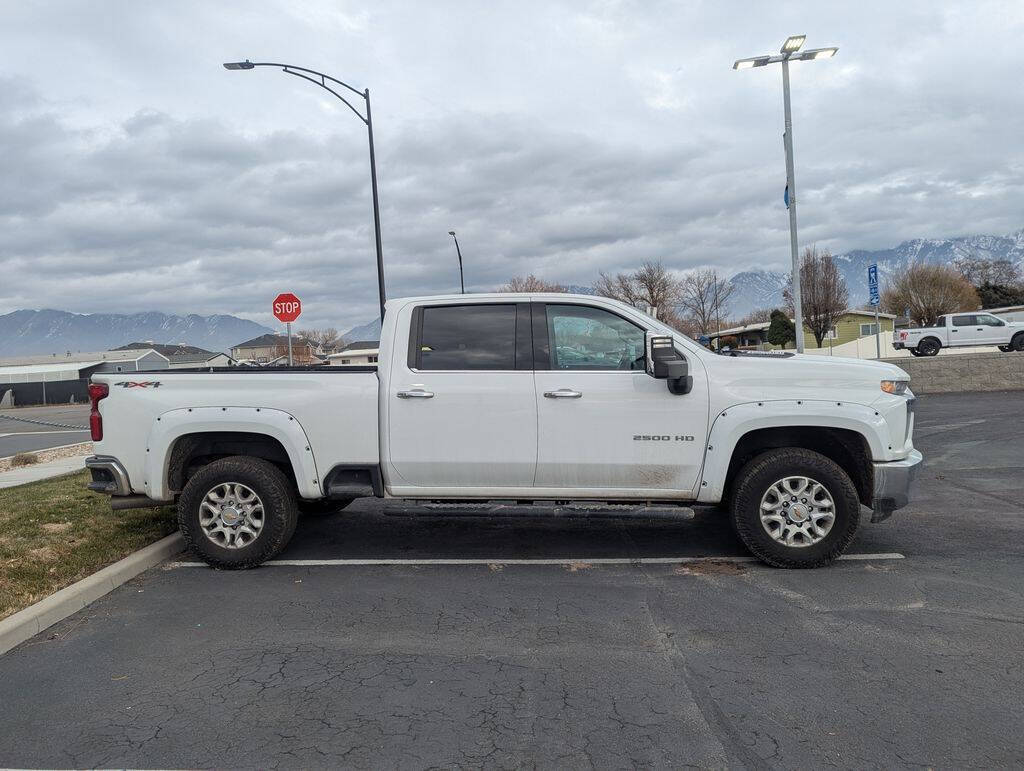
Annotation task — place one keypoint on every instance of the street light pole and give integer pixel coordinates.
(320, 79)
(794, 249)
(458, 251)
(790, 51)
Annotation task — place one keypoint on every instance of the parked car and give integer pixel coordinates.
(961, 329)
(532, 397)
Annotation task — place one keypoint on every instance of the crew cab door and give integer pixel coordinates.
(964, 330)
(991, 330)
(605, 427)
(461, 405)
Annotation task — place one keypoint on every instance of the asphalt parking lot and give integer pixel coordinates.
(21, 436)
(870, 663)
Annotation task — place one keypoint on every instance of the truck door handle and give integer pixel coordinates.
(416, 393)
(563, 393)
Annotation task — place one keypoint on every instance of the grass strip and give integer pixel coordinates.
(56, 532)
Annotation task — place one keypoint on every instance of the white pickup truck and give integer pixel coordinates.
(958, 330)
(530, 397)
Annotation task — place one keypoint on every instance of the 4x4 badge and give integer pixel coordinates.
(139, 384)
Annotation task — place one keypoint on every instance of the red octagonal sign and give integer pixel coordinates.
(287, 307)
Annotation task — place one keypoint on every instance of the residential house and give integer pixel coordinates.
(853, 324)
(181, 356)
(265, 349)
(359, 354)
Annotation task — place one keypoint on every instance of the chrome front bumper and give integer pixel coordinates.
(108, 475)
(892, 484)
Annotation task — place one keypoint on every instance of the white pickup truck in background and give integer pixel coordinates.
(954, 330)
(530, 397)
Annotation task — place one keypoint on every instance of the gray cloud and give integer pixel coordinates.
(560, 139)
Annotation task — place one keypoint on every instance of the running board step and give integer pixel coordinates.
(596, 510)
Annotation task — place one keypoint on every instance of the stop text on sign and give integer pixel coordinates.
(287, 307)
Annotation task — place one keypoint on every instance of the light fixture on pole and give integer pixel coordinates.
(458, 251)
(320, 79)
(790, 52)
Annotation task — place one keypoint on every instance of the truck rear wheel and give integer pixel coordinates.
(929, 347)
(237, 512)
(795, 508)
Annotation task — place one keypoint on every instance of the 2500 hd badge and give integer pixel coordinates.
(661, 438)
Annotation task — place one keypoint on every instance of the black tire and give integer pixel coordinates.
(323, 506)
(1006, 348)
(754, 481)
(280, 511)
(1018, 341)
(929, 346)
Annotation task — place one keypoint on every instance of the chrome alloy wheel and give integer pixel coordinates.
(231, 515)
(797, 511)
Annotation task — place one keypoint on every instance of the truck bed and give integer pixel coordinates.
(328, 415)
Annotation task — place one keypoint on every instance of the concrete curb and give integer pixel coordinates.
(29, 622)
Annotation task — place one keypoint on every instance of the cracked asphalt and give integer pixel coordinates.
(914, 662)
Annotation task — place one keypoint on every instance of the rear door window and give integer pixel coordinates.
(467, 337)
(967, 320)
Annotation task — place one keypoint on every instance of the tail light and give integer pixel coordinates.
(97, 391)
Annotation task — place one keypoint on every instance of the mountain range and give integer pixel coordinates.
(763, 288)
(51, 331)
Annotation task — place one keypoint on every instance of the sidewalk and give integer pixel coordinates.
(54, 468)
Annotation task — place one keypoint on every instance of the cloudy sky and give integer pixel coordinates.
(559, 138)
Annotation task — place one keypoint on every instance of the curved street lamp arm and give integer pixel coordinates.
(327, 88)
(311, 72)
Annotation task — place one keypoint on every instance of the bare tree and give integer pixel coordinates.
(929, 291)
(823, 294)
(756, 316)
(704, 297)
(980, 270)
(651, 286)
(326, 338)
(530, 284)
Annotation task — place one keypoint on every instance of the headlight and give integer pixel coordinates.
(897, 387)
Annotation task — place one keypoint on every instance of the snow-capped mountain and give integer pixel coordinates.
(50, 331)
(368, 331)
(763, 289)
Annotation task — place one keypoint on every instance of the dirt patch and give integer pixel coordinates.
(710, 568)
(56, 527)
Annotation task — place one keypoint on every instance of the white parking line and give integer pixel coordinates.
(500, 561)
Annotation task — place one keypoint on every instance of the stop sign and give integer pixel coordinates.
(287, 307)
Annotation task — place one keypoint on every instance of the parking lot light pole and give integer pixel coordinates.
(458, 251)
(320, 79)
(790, 51)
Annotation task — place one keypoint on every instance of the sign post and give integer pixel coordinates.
(874, 300)
(287, 307)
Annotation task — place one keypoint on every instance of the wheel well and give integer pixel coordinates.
(848, 449)
(193, 451)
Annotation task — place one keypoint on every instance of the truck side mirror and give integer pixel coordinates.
(665, 363)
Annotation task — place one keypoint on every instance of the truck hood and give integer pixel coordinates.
(801, 376)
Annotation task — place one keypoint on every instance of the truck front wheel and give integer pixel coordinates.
(237, 512)
(1018, 341)
(795, 508)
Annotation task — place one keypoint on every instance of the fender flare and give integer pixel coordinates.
(733, 423)
(276, 424)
